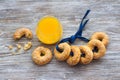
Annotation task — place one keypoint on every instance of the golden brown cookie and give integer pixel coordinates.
(87, 55)
(22, 32)
(101, 36)
(41, 56)
(74, 58)
(97, 47)
(62, 56)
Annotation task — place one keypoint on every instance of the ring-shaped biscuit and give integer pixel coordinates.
(87, 55)
(62, 56)
(101, 36)
(97, 47)
(22, 32)
(41, 55)
(75, 57)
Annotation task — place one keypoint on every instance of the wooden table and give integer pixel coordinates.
(104, 16)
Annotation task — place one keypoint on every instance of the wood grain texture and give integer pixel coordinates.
(105, 16)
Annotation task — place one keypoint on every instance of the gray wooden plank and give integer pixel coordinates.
(105, 16)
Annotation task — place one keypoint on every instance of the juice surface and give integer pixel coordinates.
(49, 30)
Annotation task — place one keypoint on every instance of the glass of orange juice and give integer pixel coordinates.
(49, 30)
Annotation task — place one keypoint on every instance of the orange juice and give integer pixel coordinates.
(49, 30)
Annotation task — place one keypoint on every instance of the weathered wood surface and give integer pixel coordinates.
(105, 16)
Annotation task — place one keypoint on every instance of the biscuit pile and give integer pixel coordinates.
(84, 54)
(95, 48)
(18, 34)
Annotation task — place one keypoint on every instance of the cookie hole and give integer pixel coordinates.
(100, 39)
(71, 53)
(95, 49)
(42, 54)
(60, 50)
(83, 54)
